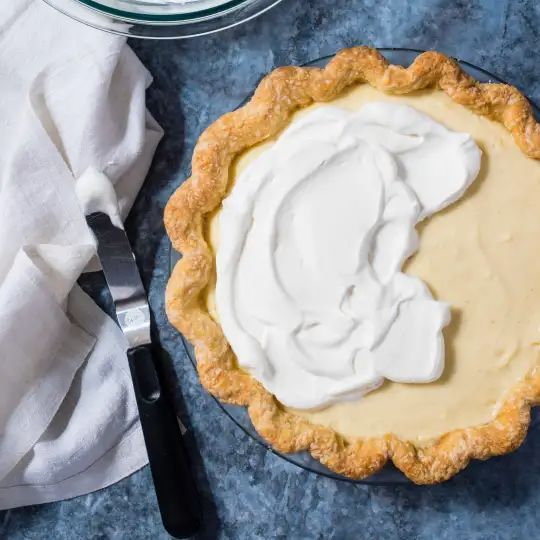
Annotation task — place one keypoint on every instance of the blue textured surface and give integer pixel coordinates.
(249, 493)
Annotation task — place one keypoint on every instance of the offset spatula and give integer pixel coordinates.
(176, 493)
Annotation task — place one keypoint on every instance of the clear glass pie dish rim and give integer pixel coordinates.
(165, 25)
(389, 475)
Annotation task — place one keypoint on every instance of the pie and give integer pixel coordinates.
(380, 345)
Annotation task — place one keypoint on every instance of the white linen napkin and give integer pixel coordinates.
(71, 98)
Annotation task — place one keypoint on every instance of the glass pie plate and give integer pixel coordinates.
(389, 474)
(162, 19)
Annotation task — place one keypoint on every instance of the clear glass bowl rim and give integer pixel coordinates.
(173, 17)
(162, 26)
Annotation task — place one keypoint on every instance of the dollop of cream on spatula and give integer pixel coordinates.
(96, 194)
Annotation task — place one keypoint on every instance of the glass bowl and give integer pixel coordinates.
(389, 475)
(162, 19)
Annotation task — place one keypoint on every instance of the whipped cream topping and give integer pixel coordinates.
(309, 290)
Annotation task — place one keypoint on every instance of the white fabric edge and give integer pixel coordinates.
(127, 451)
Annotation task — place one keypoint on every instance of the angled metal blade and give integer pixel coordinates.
(123, 279)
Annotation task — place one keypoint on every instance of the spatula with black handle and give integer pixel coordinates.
(176, 492)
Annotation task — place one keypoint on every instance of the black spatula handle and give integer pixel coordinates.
(176, 492)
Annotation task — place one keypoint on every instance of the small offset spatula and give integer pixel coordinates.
(176, 492)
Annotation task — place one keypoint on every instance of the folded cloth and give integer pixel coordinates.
(71, 98)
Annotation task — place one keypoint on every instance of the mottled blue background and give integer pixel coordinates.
(248, 492)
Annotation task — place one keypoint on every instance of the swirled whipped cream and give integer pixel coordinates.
(309, 289)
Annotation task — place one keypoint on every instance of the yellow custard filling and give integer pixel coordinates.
(479, 255)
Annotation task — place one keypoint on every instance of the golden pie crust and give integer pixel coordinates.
(277, 97)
